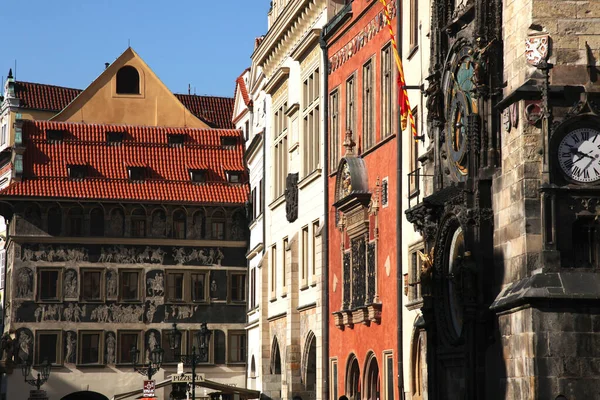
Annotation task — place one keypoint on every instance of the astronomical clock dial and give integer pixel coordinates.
(460, 105)
(579, 155)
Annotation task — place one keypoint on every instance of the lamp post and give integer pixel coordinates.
(46, 367)
(156, 359)
(202, 338)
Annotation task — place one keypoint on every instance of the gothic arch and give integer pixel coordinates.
(371, 377)
(353, 386)
(417, 364)
(309, 363)
(275, 368)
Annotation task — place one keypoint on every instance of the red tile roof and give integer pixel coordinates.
(216, 111)
(45, 172)
(240, 83)
(44, 97)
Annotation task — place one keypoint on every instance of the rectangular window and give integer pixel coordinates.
(130, 283)
(218, 230)
(198, 287)
(367, 106)
(388, 376)
(171, 356)
(175, 139)
(127, 341)
(198, 175)
(252, 288)
(175, 286)
(414, 292)
(237, 347)
(90, 349)
(387, 87)
(304, 270)
(237, 287)
(313, 248)
(414, 25)
(138, 227)
(333, 378)
(49, 284)
(3, 137)
(91, 284)
(273, 270)
(284, 267)
(247, 129)
(334, 130)
(75, 225)
(351, 105)
(48, 347)
(254, 205)
(280, 155)
(261, 196)
(413, 157)
(311, 123)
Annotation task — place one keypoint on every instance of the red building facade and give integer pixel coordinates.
(362, 151)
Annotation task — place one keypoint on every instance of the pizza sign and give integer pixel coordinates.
(149, 387)
(536, 48)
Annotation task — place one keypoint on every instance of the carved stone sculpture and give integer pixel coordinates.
(151, 311)
(291, 197)
(52, 253)
(156, 285)
(24, 283)
(70, 347)
(70, 284)
(25, 344)
(117, 314)
(73, 313)
(182, 312)
(111, 343)
(151, 344)
(111, 283)
(238, 227)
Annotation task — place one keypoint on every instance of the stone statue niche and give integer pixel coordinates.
(24, 351)
(70, 339)
(111, 348)
(24, 283)
(70, 284)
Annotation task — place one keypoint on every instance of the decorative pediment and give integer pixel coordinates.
(351, 186)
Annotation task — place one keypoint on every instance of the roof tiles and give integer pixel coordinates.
(45, 172)
(217, 111)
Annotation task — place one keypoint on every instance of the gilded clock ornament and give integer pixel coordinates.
(579, 155)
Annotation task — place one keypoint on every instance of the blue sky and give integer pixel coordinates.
(204, 43)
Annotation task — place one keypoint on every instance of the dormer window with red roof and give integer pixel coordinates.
(77, 171)
(136, 173)
(55, 135)
(234, 177)
(228, 141)
(114, 137)
(128, 80)
(198, 175)
(175, 139)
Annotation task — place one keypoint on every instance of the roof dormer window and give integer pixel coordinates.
(175, 139)
(228, 141)
(136, 173)
(77, 171)
(128, 80)
(114, 137)
(55, 135)
(198, 175)
(234, 177)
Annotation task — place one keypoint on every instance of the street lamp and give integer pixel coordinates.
(202, 338)
(46, 367)
(156, 359)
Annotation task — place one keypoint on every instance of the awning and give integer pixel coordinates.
(221, 387)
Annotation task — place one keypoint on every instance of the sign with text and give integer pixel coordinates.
(186, 378)
(149, 387)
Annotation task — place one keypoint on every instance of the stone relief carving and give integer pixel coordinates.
(156, 285)
(70, 283)
(24, 283)
(118, 314)
(111, 344)
(25, 345)
(214, 256)
(182, 312)
(45, 312)
(198, 225)
(151, 343)
(111, 283)
(238, 227)
(213, 289)
(291, 197)
(73, 313)
(151, 311)
(70, 347)
(51, 253)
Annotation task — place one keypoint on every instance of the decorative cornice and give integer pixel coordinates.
(306, 44)
(282, 74)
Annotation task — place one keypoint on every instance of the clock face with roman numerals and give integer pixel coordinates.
(579, 155)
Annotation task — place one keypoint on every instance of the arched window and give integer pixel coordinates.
(218, 225)
(54, 221)
(117, 222)
(219, 346)
(128, 80)
(586, 242)
(159, 223)
(179, 225)
(372, 378)
(138, 223)
(252, 368)
(75, 223)
(353, 379)
(97, 222)
(275, 358)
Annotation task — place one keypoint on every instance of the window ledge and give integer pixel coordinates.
(293, 147)
(273, 299)
(304, 286)
(277, 202)
(83, 366)
(414, 304)
(309, 178)
(378, 145)
(412, 51)
(365, 315)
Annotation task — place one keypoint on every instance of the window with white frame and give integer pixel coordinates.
(351, 104)
(334, 130)
(313, 250)
(305, 253)
(311, 122)
(273, 270)
(368, 133)
(386, 91)
(3, 135)
(280, 150)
